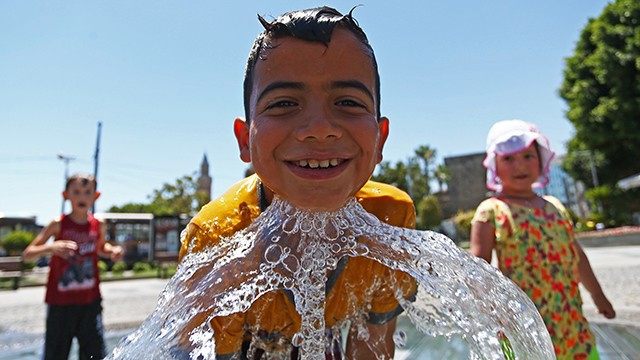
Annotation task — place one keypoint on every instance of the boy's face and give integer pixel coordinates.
(81, 195)
(314, 137)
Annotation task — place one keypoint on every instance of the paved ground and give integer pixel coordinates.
(127, 303)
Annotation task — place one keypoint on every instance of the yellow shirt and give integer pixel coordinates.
(354, 280)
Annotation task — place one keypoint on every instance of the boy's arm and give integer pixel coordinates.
(379, 345)
(39, 246)
(483, 239)
(590, 282)
(105, 249)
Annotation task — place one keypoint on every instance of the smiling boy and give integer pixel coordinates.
(314, 134)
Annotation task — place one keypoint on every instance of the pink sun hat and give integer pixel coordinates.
(509, 137)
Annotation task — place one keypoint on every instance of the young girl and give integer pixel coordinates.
(533, 237)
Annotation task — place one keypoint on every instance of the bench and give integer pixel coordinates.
(163, 261)
(11, 268)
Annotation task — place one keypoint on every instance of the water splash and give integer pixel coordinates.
(292, 249)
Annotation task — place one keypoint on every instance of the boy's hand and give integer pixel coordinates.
(604, 306)
(116, 253)
(64, 248)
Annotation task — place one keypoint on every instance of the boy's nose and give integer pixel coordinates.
(319, 125)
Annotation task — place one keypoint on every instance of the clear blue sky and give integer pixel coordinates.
(165, 80)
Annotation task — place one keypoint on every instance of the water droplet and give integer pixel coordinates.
(297, 339)
(400, 338)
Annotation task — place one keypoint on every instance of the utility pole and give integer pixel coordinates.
(594, 173)
(95, 161)
(66, 159)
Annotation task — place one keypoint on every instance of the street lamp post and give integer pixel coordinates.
(66, 159)
(592, 165)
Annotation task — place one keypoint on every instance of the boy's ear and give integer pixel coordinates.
(97, 195)
(64, 195)
(241, 130)
(383, 125)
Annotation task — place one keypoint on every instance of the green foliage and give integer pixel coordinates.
(602, 87)
(119, 267)
(182, 197)
(442, 174)
(393, 175)
(462, 220)
(102, 267)
(616, 204)
(131, 208)
(414, 176)
(429, 214)
(141, 267)
(17, 241)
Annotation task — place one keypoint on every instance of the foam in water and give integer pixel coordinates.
(296, 250)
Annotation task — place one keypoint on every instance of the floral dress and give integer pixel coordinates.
(535, 248)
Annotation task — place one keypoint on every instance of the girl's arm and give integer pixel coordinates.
(590, 282)
(483, 240)
(114, 252)
(39, 246)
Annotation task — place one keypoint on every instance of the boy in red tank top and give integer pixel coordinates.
(73, 293)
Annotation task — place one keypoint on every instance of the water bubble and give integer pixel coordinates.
(361, 250)
(273, 253)
(400, 338)
(291, 263)
(289, 225)
(297, 339)
(306, 225)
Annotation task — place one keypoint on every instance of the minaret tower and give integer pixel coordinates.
(204, 180)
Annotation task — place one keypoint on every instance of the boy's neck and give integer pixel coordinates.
(79, 216)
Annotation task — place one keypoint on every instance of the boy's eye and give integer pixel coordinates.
(349, 102)
(281, 104)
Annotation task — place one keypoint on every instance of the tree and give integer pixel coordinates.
(429, 214)
(131, 208)
(602, 90)
(414, 176)
(17, 241)
(442, 174)
(393, 175)
(182, 197)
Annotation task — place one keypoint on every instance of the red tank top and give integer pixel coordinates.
(75, 280)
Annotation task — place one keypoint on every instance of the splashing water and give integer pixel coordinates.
(292, 249)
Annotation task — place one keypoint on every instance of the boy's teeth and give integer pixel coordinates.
(314, 164)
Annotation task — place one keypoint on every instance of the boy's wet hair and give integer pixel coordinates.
(315, 24)
(84, 179)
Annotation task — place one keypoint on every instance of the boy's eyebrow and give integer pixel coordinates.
(342, 84)
(280, 85)
(345, 84)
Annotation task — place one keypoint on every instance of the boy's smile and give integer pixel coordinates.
(314, 137)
